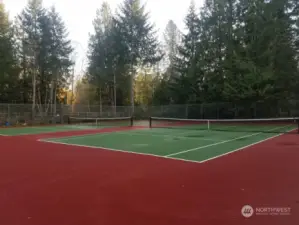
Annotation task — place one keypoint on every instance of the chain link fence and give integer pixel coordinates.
(22, 113)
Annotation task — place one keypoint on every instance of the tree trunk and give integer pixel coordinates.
(39, 103)
(132, 91)
(55, 94)
(55, 99)
(114, 95)
(33, 93)
(51, 97)
(73, 80)
(46, 103)
(101, 102)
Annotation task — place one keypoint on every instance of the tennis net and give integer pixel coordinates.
(101, 122)
(274, 125)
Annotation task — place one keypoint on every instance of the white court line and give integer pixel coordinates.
(52, 130)
(221, 142)
(173, 136)
(167, 156)
(78, 127)
(131, 132)
(24, 134)
(192, 132)
(119, 150)
(247, 146)
(100, 133)
(4, 135)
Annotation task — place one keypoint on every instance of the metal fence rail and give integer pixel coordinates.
(18, 113)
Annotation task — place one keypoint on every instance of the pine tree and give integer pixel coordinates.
(59, 51)
(9, 72)
(265, 61)
(138, 37)
(45, 53)
(283, 51)
(172, 38)
(184, 85)
(214, 40)
(294, 12)
(103, 54)
(188, 48)
(30, 21)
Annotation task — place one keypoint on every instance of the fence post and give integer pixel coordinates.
(186, 111)
(61, 113)
(236, 110)
(8, 112)
(254, 109)
(101, 109)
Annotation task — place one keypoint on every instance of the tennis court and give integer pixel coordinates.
(189, 140)
(180, 139)
(74, 123)
(166, 171)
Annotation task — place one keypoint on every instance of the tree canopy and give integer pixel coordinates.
(230, 51)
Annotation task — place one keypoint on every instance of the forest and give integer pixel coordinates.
(230, 51)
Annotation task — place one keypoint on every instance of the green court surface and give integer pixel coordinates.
(38, 130)
(75, 124)
(190, 145)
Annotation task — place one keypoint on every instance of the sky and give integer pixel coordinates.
(79, 14)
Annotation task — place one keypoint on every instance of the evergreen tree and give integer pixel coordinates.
(188, 48)
(138, 37)
(283, 51)
(172, 37)
(234, 50)
(264, 61)
(213, 45)
(184, 85)
(104, 54)
(44, 51)
(9, 71)
(31, 19)
(59, 52)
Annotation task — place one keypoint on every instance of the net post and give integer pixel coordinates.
(150, 122)
(208, 124)
(298, 125)
(97, 122)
